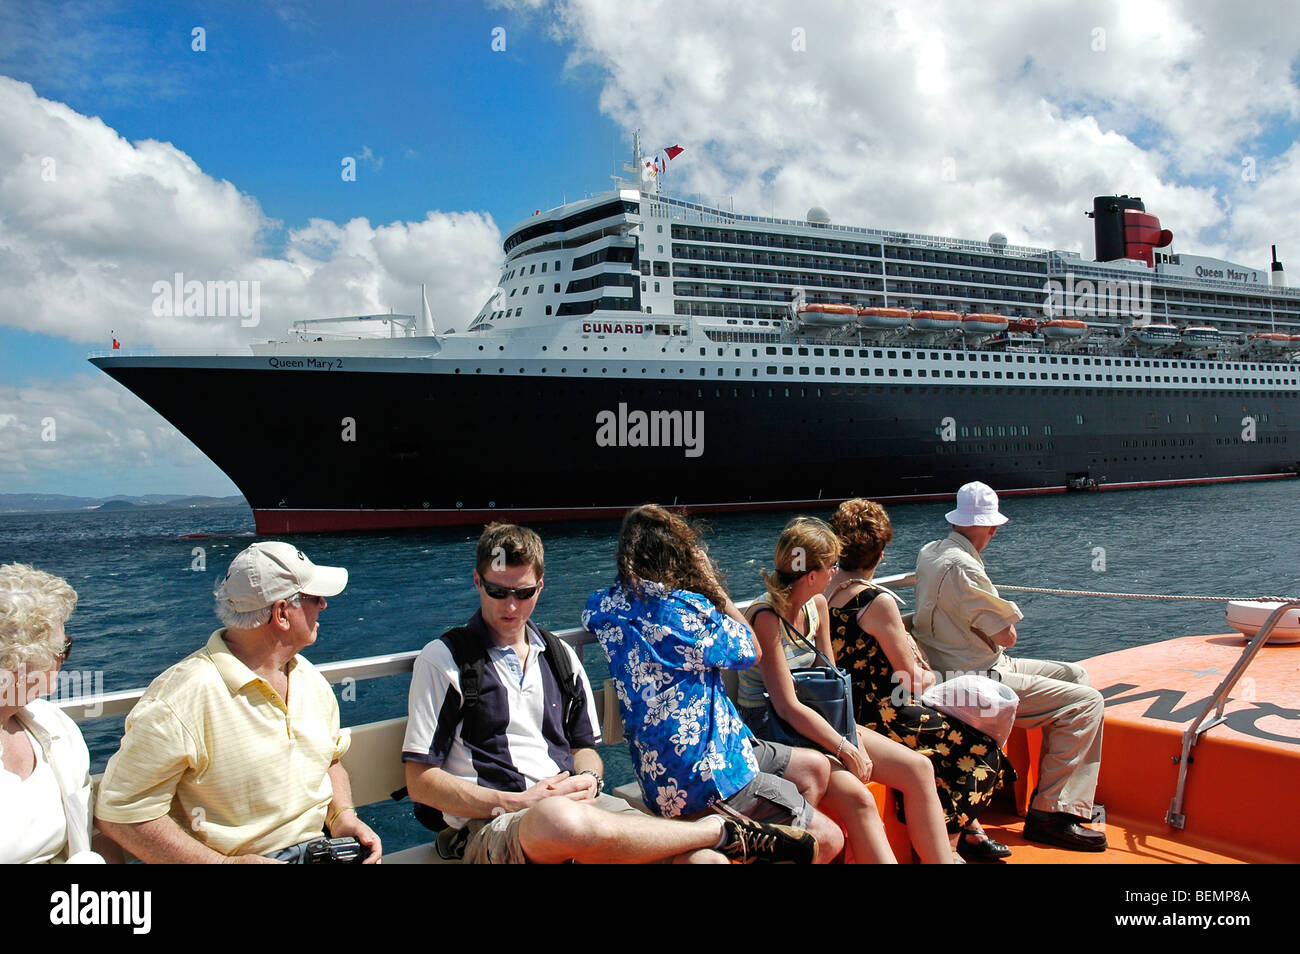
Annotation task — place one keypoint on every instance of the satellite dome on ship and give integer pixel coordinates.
(818, 216)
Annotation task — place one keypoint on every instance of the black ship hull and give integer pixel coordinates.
(314, 451)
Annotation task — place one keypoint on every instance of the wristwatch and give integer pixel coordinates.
(600, 782)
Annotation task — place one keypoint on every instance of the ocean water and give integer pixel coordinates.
(145, 581)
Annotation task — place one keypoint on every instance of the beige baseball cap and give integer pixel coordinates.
(268, 572)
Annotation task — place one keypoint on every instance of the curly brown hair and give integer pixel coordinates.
(656, 545)
(864, 529)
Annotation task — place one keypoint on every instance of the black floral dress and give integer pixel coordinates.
(968, 765)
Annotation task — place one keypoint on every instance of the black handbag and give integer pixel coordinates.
(826, 689)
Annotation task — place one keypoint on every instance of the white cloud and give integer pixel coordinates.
(90, 222)
(54, 436)
(1039, 107)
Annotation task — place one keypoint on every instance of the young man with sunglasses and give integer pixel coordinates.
(508, 755)
(233, 753)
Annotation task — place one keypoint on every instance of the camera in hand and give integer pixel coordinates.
(335, 851)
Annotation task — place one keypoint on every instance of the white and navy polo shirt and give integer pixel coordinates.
(514, 737)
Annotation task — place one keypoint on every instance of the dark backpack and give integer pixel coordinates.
(470, 656)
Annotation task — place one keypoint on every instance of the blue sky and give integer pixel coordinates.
(855, 107)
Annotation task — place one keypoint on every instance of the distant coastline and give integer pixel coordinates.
(54, 503)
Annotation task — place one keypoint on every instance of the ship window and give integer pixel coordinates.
(548, 309)
(947, 372)
(880, 372)
(532, 270)
(512, 292)
(540, 289)
(557, 266)
(787, 370)
(961, 373)
(803, 352)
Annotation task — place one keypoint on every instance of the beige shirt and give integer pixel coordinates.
(954, 597)
(213, 745)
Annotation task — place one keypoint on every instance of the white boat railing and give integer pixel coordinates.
(119, 703)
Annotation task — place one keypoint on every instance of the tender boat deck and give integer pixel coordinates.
(1243, 773)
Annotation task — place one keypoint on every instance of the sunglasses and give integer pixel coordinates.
(499, 592)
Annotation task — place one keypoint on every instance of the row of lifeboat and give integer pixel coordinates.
(972, 323)
(979, 323)
(1207, 335)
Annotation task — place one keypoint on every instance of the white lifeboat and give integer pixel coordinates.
(979, 323)
(936, 321)
(1064, 328)
(1247, 616)
(827, 316)
(1160, 334)
(883, 317)
(1273, 339)
(1201, 335)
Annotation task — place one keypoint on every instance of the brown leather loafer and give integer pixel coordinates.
(1062, 830)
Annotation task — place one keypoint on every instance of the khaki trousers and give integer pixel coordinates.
(1057, 698)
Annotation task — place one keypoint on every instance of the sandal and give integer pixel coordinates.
(984, 851)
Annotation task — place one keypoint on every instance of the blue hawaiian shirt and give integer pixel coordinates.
(665, 651)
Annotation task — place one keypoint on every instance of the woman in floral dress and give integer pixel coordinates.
(889, 672)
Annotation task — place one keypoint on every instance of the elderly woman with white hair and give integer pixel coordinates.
(46, 806)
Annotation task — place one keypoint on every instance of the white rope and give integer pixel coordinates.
(1150, 596)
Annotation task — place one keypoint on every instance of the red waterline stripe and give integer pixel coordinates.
(324, 521)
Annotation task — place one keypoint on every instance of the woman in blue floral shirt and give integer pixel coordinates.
(668, 629)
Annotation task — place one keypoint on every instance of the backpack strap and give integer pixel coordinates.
(574, 700)
(470, 656)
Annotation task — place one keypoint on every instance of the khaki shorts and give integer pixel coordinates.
(495, 841)
(769, 796)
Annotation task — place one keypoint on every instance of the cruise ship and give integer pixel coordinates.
(642, 347)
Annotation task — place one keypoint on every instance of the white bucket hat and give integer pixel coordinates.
(268, 572)
(977, 506)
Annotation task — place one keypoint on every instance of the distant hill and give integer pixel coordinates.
(47, 503)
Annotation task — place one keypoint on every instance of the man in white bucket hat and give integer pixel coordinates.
(233, 753)
(964, 625)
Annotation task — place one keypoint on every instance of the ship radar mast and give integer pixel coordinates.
(648, 184)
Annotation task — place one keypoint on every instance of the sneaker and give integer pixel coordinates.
(748, 842)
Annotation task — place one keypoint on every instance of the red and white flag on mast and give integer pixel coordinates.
(657, 164)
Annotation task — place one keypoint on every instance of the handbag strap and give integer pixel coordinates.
(797, 637)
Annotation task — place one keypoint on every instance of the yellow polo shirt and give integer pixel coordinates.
(212, 744)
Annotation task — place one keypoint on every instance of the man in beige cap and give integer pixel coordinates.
(233, 753)
(964, 625)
